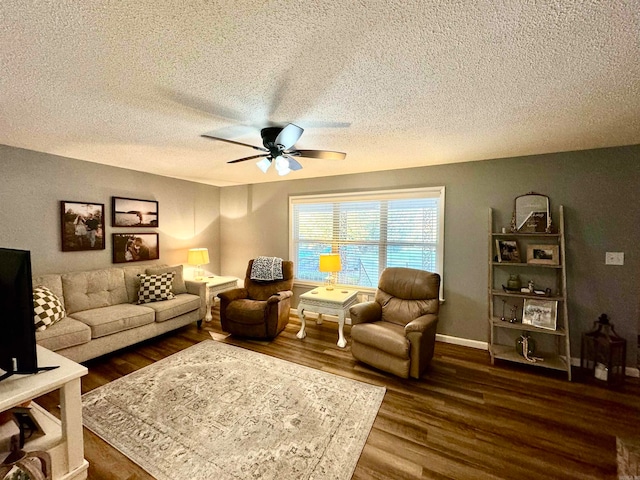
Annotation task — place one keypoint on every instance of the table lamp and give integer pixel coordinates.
(330, 262)
(198, 257)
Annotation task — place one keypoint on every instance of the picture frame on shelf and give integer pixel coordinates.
(132, 212)
(81, 226)
(135, 247)
(543, 254)
(508, 251)
(540, 313)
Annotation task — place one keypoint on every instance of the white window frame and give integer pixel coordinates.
(422, 192)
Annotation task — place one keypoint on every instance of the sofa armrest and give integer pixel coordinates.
(365, 312)
(200, 289)
(421, 324)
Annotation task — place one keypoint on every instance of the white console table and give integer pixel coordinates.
(331, 302)
(63, 438)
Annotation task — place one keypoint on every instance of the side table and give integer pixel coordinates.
(63, 438)
(330, 302)
(216, 285)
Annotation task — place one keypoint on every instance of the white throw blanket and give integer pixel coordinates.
(267, 269)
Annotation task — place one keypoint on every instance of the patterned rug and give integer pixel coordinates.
(216, 411)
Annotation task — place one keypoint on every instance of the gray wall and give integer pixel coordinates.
(32, 185)
(598, 188)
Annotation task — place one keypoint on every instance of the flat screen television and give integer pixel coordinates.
(17, 328)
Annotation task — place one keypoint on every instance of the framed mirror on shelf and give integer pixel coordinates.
(531, 214)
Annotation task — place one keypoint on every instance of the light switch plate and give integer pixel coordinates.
(614, 258)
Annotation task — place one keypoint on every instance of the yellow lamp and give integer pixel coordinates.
(330, 262)
(198, 257)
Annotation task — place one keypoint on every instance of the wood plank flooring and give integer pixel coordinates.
(465, 419)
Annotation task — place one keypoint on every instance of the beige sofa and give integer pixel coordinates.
(102, 314)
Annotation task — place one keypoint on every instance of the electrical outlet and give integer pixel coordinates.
(614, 258)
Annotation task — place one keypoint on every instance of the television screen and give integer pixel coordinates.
(18, 335)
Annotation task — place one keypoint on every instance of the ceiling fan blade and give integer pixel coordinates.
(294, 164)
(249, 158)
(206, 135)
(323, 154)
(289, 136)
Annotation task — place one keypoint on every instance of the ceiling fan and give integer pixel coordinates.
(279, 147)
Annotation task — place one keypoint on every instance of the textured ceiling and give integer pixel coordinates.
(393, 83)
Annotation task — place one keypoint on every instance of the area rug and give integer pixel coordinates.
(217, 411)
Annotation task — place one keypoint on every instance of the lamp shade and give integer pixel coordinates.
(198, 256)
(330, 262)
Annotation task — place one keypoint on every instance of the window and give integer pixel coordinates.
(370, 231)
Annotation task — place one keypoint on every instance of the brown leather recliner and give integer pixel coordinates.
(261, 308)
(397, 331)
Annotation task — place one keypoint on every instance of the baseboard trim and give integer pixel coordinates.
(465, 342)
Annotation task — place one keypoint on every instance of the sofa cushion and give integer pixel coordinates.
(114, 318)
(178, 286)
(246, 311)
(53, 282)
(384, 336)
(64, 334)
(47, 308)
(155, 288)
(132, 281)
(93, 289)
(179, 305)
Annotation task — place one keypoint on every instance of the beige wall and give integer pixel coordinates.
(32, 185)
(599, 191)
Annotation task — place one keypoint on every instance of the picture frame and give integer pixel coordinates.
(508, 251)
(543, 254)
(133, 212)
(81, 226)
(135, 247)
(540, 313)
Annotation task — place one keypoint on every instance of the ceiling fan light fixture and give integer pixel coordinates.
(264, 164)
(282, 165)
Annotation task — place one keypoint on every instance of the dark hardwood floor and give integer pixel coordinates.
(465, 419)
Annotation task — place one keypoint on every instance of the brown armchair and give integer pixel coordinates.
(397, 331)
(261, 308)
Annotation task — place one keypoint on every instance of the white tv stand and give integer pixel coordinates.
(63, 438)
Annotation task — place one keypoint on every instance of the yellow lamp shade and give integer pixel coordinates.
(330, 262)
(198, 256)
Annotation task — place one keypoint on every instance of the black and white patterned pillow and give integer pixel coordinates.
(47, 308)
(154, 288)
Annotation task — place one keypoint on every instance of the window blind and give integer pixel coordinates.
(370, 231)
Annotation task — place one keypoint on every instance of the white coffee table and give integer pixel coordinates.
(330, 302)
(216, 285)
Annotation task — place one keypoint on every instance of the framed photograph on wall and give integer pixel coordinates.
(131, 212)
(135, 247)
(508, 251)
(81, 226)
(540, 313)
(543, 254)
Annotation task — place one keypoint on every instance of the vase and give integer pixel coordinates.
(514, 282)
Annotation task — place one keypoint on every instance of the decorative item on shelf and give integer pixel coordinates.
(330, 263)
(514, 314)
(508, 251)
(540, 313)
(531, 214)
(543, 254)
(526, 347)
(604, 353)
(32, 465)
(198, 257)
(513, 284)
